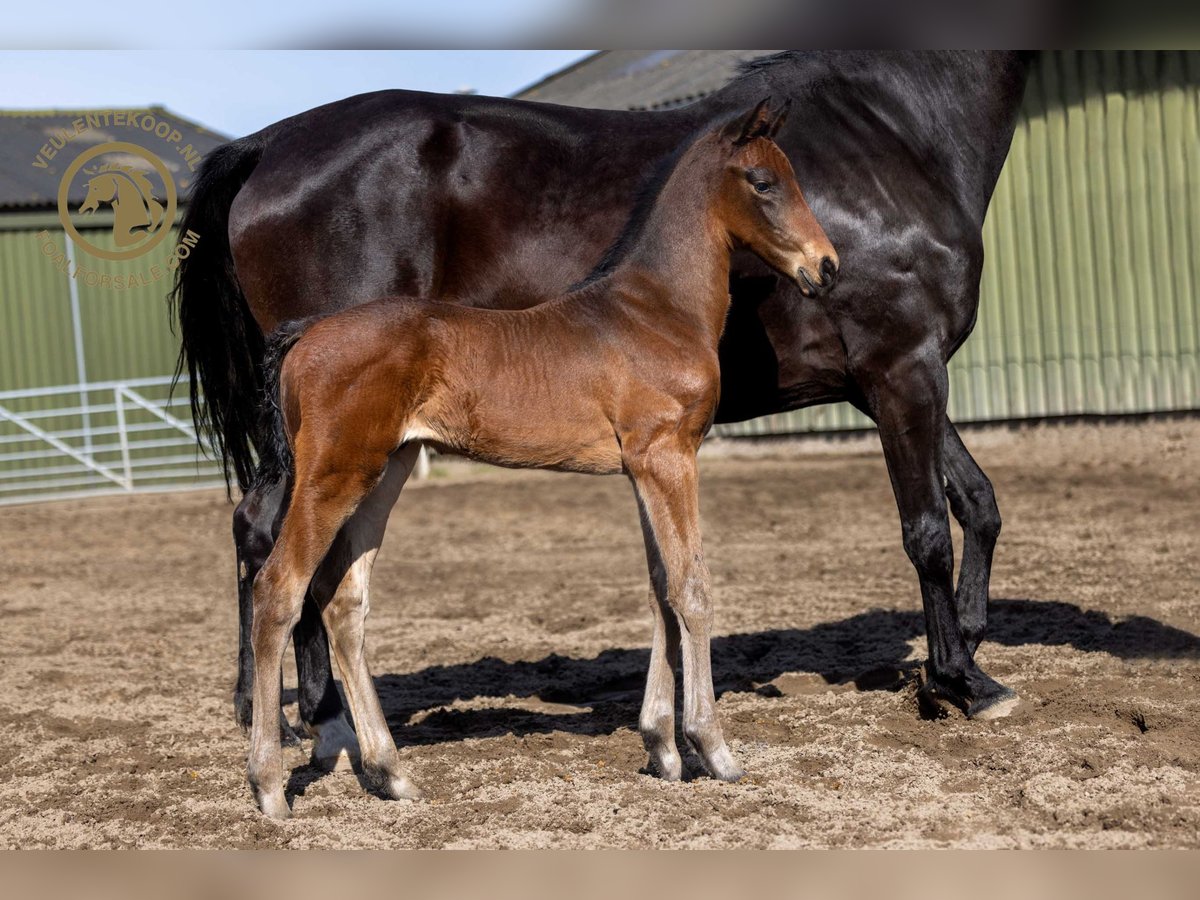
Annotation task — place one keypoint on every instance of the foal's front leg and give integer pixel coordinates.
(657, 720)
(666, 482)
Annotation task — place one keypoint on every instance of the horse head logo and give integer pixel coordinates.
(120, 178)
(136, 213)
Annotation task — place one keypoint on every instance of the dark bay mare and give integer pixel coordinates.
(503, 202)
(618, 376)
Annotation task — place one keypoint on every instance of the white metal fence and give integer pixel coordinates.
(101, 437)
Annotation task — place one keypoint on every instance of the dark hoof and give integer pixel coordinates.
(929, 703)
(388, 785)
(243, 712)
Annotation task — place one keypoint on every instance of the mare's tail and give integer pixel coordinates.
(221, 346)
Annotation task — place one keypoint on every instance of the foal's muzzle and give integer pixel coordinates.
(811, 288)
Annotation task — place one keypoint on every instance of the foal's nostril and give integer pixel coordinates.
(829, 272)
(808, 287)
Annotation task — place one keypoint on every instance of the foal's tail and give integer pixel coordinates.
(275, 451)
(222, 345)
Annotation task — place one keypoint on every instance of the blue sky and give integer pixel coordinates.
(240, 91)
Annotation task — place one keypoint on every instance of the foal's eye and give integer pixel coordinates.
(761, 186)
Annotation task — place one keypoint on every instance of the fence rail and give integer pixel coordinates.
(98, 438)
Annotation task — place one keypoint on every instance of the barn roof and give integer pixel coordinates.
(23, 132)
(640, 79)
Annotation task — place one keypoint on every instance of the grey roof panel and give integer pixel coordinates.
(24, 132)
(640, 79)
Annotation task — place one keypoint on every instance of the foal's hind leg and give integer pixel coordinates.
(255, 521)
(348, 570)
(323, 499)
(666, 482)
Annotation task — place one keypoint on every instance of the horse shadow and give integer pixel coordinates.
(601, 694)
(871, 650)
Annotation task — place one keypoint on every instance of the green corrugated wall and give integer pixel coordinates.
(126, 334)
(1089, 297)
(1090, 287)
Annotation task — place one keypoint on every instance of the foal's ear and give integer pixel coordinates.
(780, 117)
(754, 124)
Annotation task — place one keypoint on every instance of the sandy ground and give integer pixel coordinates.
(509, 635)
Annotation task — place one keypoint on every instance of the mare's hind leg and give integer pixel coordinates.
(347, 570)
(973, 503)
(666, 483)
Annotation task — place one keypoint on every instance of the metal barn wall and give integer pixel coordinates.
(1090, 288)
(126, 334)
(107, 437)
(1089, 297)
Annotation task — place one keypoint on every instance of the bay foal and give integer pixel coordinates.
(618, 376)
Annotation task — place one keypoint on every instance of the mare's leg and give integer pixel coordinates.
(324, 497)
(973, 503)
(666, 482)
(909, 405)
(253, 539)
(344, 578)
(255, 522)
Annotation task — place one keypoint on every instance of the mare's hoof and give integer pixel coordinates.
(401, 787)
(996, 707)
(335, 745)
(976, 694)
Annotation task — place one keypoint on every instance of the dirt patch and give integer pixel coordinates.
(509, 635)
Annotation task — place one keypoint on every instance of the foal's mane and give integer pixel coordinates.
(647, 198)
(648, 193)
(635, 225)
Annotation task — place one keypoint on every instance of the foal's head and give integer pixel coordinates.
(763, 208)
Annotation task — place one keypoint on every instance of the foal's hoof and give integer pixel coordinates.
(666, 764)
(287, 735)
(722, 766)
(335, 745)
(273, 803)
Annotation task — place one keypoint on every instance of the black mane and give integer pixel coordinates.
(759, 63)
